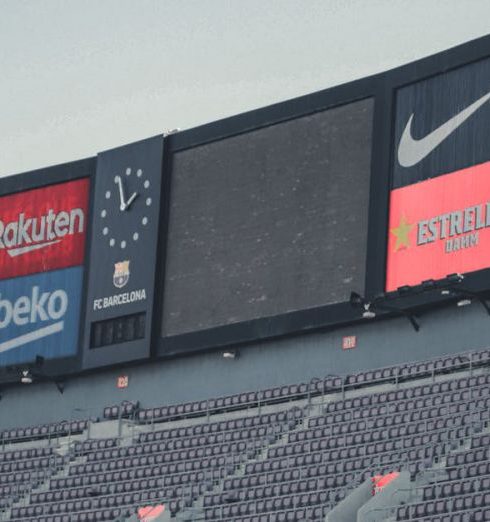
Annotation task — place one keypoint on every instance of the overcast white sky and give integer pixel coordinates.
(81, 76)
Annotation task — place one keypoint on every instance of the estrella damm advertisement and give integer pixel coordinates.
(438, 227)
(43, 229)
(39, 315)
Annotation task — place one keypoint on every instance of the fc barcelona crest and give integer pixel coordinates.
(121, 274)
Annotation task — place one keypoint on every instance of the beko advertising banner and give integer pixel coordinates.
(439, 227)
(39, 315)
(43, 229)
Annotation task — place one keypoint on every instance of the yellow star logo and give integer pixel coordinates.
(401, 233)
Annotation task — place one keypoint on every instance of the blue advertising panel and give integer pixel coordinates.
(39, 315)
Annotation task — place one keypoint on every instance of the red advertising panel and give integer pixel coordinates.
(43, 229)
(438, 227)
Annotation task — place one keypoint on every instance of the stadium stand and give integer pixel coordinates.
(290, 453)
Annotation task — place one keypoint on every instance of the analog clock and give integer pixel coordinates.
(127, 202)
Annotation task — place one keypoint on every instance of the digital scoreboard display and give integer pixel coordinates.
(269, 221)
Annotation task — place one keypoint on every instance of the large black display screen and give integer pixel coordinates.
(269, 221)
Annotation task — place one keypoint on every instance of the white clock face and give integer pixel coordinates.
(127, 202)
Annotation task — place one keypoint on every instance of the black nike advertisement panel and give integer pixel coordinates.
(442, 124)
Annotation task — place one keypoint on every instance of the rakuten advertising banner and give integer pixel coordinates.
(439, 227)
(42, 248)
(43, 229)
(39, 315)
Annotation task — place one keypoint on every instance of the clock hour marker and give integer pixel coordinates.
(105, 231)
(103, 214)
(108, 194)
(146, 184)
(112, 242)
(123, 244)
(128, 171)
(116, 179)
(148, 202)
(144, 221)
(135, 236)
(139, 172)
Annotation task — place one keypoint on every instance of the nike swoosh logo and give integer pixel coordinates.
(14, 252)
(411, 150)
(32, 336)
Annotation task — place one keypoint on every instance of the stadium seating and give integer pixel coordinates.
(44, 431)
(290, 453)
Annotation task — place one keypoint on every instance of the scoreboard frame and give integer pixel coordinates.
(382, 88)
(284, 323)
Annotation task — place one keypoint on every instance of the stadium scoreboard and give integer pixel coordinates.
(258, 220)
(257, 226)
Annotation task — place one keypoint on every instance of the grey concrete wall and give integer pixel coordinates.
(266, 364)
(346, 510)
(376, 508)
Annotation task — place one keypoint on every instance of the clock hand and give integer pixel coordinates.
(121, 194)
(131, 199)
